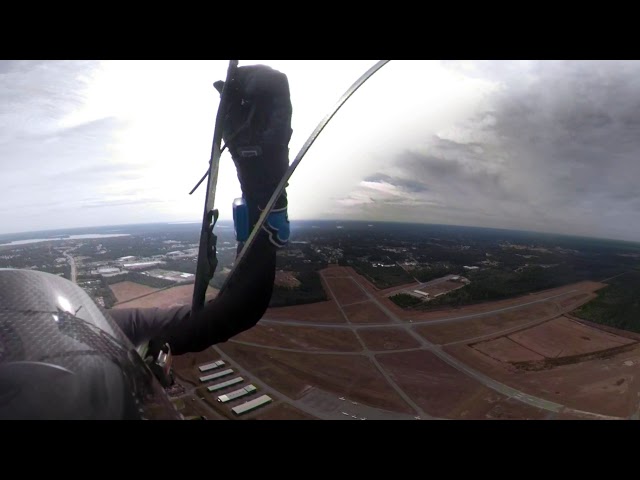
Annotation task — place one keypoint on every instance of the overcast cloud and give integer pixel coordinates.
(554, 148)
(537, 145)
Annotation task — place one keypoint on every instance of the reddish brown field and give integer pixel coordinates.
(191, 406)
(562, 337)
(443, 287)
(366, 312)
(124, 291)
(283, 411)
(321, 312)
(607, 385)
(301, 338)
(186, 366)
(438, 388)
(576, 300)
(387, 339)
(387, 291)
(295, 373)
(335, 271)
(345, 290)
(511, 409)
(370, 287)
(506, 350)
(171, 297)
(578, 416)
(464, 329)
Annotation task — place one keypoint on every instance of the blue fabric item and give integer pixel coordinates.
(278, 227)
(241, 219)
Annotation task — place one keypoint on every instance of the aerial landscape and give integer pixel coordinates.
(374, 320)
(461, 242)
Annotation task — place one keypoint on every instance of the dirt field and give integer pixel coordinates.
(124, 291)
(293, 374)
(301, 338)
(335, 271)
(606, 386)
(286, 279)
(345, 290)
(506, 350)
(283, 411)
(387, 339)
(438, 388)
(186, 366)
(511, 409)
(321, 312)
(366, 312)
(578, 299)
(191, 406)
(464, 329)
(562, 337)
(171, 297)
(370, 287)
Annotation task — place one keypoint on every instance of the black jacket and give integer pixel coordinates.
(237, 308)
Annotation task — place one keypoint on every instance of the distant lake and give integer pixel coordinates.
(70, 237)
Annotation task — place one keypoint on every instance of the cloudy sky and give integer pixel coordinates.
(536, 145)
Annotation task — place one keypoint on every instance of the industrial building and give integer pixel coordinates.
(211, 366)
(228, 383)
(252, 404)
(248, 390)
(213, 376)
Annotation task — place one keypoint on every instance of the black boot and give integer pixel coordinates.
(257, 130)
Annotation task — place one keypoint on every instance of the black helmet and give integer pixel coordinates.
(62, 357)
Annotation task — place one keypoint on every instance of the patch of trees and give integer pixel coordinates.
(617, 305)
(309, 291)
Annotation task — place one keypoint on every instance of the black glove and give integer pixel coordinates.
(259, 108)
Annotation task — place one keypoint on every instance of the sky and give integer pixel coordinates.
(536, 145)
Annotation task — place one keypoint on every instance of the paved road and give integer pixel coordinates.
(371, 356)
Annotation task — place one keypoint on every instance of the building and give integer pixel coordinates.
(140, 265)
(251, 405)
(213, 376)
(249, 389)
(228, 383)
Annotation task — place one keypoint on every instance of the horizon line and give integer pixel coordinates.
(198, 222)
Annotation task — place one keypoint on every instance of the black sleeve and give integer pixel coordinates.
(237, 308)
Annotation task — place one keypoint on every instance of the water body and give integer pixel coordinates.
(69, 237)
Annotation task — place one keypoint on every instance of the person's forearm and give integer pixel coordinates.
(239, 307)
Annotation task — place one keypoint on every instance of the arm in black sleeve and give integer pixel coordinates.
(237, 308)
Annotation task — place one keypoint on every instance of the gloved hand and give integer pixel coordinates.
(259, 108)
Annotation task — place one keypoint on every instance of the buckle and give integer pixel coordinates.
(247, 152)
